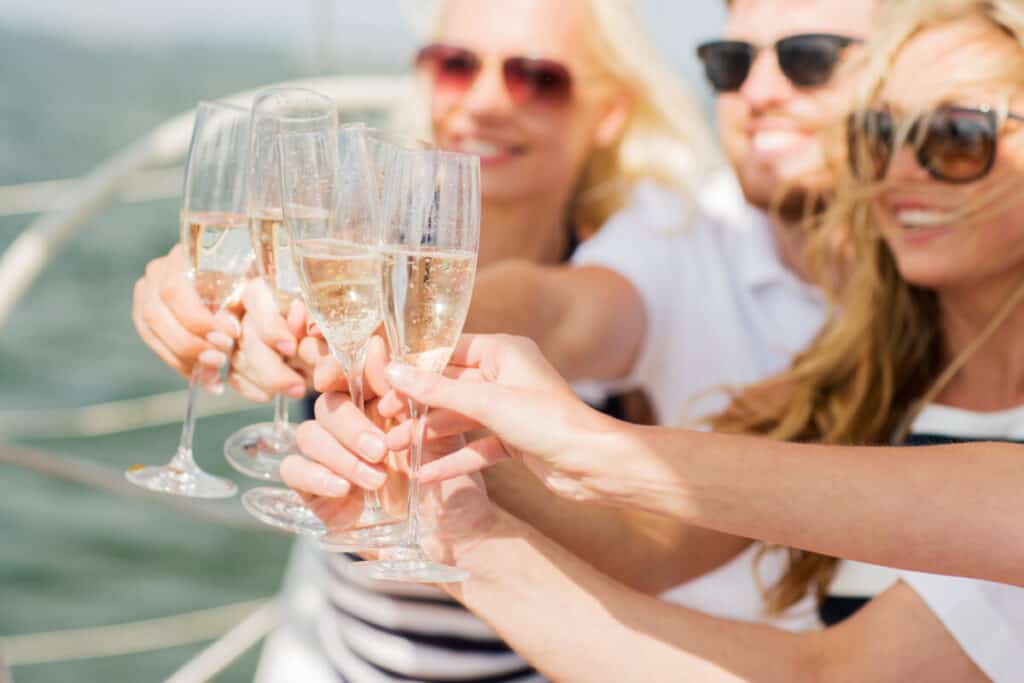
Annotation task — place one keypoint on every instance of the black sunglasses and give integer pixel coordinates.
(807, 60)
(954, 144)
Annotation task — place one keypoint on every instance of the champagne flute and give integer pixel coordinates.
(431, 237)
(331, 211)
(218, 257)
(257, 450)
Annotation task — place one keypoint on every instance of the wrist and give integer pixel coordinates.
(476, 551)
(634, 466)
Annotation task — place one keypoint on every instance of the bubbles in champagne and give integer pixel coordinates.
(426, 298)
(218, 290)
(341, 284)
(218, 256)
(270, 240)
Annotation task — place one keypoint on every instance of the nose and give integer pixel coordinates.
(905, 167)
(487, 96)
(766, 86)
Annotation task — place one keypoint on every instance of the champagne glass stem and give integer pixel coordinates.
(411, 539)
(280, 416)
(353, 369)
(183, 460)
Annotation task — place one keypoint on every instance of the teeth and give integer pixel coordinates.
(773, 141)
(920, 218)
(480, 148)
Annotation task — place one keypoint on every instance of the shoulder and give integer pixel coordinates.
(658, 217)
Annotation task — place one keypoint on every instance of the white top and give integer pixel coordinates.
(722, 310)
(985, 618)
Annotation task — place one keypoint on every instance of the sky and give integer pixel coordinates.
(379, 29)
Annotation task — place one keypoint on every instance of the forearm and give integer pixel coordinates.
(588, 322)
(647, 552)
(575, 624)
(508, 298)
(943, 509)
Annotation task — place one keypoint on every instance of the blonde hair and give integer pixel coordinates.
(881, 356)
(666, 137)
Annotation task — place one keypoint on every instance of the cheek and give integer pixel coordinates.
(733, 116)
(443, 104)
(559, 144)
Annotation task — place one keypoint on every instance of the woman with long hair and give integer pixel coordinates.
(926, 252)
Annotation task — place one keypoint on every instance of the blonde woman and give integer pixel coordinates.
(928, 344)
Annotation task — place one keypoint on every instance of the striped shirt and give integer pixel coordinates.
(986, 619)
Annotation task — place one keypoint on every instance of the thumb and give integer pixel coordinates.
(475, 400)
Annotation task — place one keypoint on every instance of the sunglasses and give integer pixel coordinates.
(807, 60)
(954, 144)
(527, 80)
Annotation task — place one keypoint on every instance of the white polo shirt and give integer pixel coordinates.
(722, 310)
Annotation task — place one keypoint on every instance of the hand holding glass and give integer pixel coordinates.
(431, 226)
(218, 257)
(331, 211)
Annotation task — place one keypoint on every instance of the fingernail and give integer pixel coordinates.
(371, 447)
(236, 326)
(217, 389)
(336, 486)
(297, 391)
(212, 358)
(370, 478)
(312, 328)
(286, 347)
(221, 340)
(401, 375)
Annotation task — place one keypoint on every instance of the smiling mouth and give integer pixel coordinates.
(923, 218)
(770, 141)
(487, 149)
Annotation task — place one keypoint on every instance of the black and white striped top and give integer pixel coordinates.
(986, 619)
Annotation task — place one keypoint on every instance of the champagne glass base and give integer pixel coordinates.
(413, 568)
(282, 508)
(376, 530)
(176, 482)
(257, 450)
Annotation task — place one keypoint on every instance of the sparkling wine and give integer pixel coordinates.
(217, 251)
(270, 241)
(341, 284)
(426, 298)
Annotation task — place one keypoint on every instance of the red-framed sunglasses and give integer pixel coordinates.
(527, 80)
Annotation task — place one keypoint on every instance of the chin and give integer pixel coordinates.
(758, 185)
(926, 273)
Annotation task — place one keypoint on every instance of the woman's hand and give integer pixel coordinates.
(173, 321)
(271, 358)
(503, 384)
(343, 446)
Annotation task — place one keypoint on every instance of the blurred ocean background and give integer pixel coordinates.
(78, 81)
